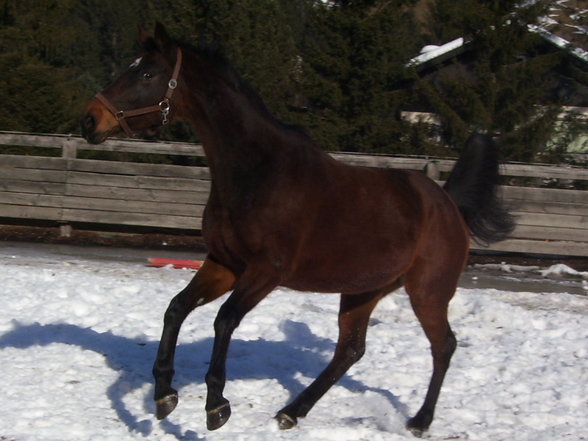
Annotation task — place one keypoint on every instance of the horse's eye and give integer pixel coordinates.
(147, 76)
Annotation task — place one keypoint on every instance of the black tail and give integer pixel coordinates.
(473, 183)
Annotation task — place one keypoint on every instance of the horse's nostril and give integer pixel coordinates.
(89, 123)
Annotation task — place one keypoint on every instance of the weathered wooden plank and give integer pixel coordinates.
(54, 176)
(138, 169)
(544, 171)
(130, 206)
(144, 182)
(384, 161)
(28, 186)
(28, 140)
(555, 247)
(513, 170)
(559, 220)
(18, 162)
(134, 146)
(30, 199)
(135, 219)
(30, 212)
(111, 145)
(540, 171)
(552, 208)
(545, 195)
(550, 233)
(138, 194)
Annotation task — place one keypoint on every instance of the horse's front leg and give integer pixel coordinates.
(249, 291)
(210, 282)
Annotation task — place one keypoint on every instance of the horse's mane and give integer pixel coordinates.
(214, 54)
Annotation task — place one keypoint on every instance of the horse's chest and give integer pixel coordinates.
(235, 235)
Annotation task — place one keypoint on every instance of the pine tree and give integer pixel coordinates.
(353, 54)
(500, 86)
(38, 89)
(55, 55)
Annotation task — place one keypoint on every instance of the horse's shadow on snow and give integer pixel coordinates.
(133, 359)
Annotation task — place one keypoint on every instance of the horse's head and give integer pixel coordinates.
(140, 100)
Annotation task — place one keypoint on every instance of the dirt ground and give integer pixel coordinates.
(190, 241)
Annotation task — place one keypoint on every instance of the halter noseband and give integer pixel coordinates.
(163, 106)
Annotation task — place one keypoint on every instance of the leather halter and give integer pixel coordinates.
(163, 106)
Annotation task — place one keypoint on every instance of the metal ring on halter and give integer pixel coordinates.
(119, 115)
(173, 83)
(164, 105)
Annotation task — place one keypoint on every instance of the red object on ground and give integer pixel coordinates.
(159, 262)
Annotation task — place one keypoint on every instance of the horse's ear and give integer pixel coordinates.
(143, 35)
(162, 39)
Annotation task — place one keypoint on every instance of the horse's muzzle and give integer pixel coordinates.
(98, 123)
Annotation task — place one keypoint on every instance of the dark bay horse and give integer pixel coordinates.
(282, 212)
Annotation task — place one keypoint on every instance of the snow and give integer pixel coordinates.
(560, 269)
(559, 42)
(430, 52)
(78, 335)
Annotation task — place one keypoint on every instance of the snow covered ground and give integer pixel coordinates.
(78, 335)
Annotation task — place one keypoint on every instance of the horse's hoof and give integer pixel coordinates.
(286, 422)
(418, 425)
(216, 418)
(416, 431)
(164, 406)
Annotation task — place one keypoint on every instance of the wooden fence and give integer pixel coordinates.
(65, 189)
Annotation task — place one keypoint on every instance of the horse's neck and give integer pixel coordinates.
(239, 143)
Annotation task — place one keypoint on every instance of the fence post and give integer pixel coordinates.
(432, 170)
(69, 150)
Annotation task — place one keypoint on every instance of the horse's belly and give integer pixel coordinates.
(349, 272)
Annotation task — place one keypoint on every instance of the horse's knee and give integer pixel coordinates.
(175, 310)
(351, 353)
(443, 351)
(356, 352)
(227, 319)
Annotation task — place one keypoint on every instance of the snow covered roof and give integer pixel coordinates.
(438, 53)
(560, 42)
(565, 26)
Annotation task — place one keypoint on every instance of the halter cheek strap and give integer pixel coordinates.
(163, 106)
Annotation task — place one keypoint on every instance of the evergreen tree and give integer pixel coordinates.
(37, 88)
(501, 84)
(54, 56)
(353, 54)
(36, 97)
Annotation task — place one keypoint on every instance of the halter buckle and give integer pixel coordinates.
(164, 107)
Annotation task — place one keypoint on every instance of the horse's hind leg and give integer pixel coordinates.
(354, 314)
(210, 282)
(430, 300)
